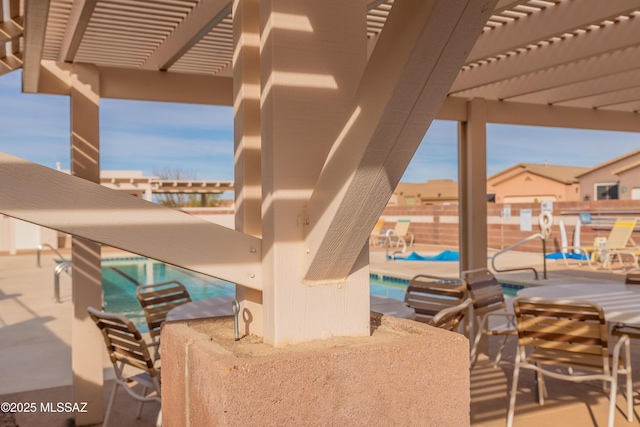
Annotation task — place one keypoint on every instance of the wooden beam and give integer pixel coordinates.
(9, 32)
(564, 17)
(517, 113)
(605, 99)
(53, 199)
(581, 71)
(584, 89)
(36, 15)
(599, 41)
(506, 5)
(144, 85)
(121, 83)
(416, 59)
(81, 12)
(203, 17)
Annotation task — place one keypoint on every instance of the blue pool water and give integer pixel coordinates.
(120, 278)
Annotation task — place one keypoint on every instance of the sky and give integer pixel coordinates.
(198, 140)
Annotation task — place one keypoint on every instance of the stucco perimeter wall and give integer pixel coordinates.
(438, 224)
(419, 377)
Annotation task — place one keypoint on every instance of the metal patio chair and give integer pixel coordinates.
(428, 295)
(488, 301)
(568, 334)
(156, 301)
(127, 349)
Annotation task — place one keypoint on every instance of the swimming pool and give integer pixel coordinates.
(121, 277)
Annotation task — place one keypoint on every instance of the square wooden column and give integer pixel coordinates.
(472, 191)
(247, 147)
(86, 341)
(312, 56)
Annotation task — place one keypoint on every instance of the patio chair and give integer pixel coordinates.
(568, 334)
(156, 300)
(488, 301)
(429, 295)
(126, 348)
(619, 244)
(376, 233)
(450, 318)
(400, 233)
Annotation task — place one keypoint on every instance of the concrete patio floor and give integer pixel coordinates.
(35, 358)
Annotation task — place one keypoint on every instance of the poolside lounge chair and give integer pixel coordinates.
(429, 295)
(619, 245)
(569, 334)
(376, 234)
(450, 318)
(488, 301)
(156, 300)
(400, 233)
(126, 348)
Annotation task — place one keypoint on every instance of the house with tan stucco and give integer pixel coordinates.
(432, 192)
(531, 183)
(615, 179)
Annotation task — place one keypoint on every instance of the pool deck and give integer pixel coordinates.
(35, 357)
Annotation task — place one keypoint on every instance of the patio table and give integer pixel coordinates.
(620, 302)
(222, 306)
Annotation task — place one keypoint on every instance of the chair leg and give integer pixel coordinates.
(110, 404)
(542, 388)
(474, 349)
(514, 390)
(627, 362)
(612, 398)
(144, 393)
(629, 396)
(500, 351)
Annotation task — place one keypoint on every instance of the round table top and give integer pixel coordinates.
(210, 307)
(620, 302)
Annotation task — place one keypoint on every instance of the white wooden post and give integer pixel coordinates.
(312, 55)
(472, 173)
(247, 184)
(86, 341)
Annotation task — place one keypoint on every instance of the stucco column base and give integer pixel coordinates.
(405, 373)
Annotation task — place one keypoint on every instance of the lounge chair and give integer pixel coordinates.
(568, 334)
(488, 301)
(156, 301)
(376, 233)
(429, 295)
(400, 233)
(127, 348)
(619, 245)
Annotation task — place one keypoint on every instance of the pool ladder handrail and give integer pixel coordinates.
(63, 266)
(42, 246)
(515, 245)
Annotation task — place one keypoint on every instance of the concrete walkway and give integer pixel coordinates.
(35, 358)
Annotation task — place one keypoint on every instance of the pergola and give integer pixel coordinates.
(331, 99)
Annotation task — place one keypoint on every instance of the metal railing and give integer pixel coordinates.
(46, 245)
(515, 245)
(63, 266)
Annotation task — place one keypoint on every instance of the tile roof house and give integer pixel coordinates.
(530, 182)
(618, 178)
(432, 192)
